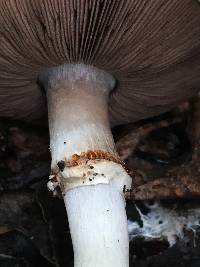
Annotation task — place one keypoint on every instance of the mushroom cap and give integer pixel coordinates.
(151, 47)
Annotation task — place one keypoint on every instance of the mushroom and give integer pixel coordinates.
(101, 63)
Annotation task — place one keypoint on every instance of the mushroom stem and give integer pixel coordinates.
(85, 164)
(98, 226)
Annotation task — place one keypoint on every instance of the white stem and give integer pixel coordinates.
(77, 108)
(78, 122)
(98, 226)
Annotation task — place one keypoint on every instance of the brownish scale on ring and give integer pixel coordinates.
(75, 157)
(83, 157)
(91, 155)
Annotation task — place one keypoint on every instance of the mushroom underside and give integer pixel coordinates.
(150, 47)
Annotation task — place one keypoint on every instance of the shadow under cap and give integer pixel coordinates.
(152, 48)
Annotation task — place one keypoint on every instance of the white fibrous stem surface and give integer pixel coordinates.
(78, 121)
(99, 235)
(77, 108)
(165, 223)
